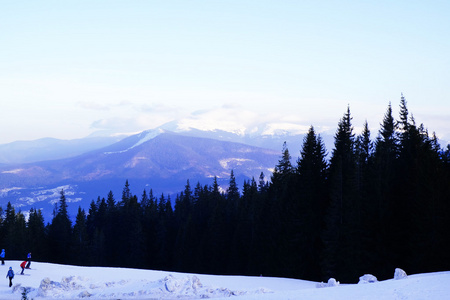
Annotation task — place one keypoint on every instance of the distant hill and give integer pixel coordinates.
(50, 148)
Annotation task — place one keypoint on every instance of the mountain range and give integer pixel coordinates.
(51, 148)
(156, 159)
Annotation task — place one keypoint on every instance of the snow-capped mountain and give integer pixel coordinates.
(265, 135)
(156, 159)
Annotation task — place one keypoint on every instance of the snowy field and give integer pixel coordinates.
(52, 281)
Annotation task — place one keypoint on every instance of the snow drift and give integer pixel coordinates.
(53, 281)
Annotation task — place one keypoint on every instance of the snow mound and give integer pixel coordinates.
(399, 274)
(367, 278)
(182, 286)
(53, 288)
(170, 287)
(331, 282)
(191, 286)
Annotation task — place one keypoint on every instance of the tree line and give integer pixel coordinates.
(375, 205)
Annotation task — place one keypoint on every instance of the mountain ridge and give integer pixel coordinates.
(51, 148)
(163, 162)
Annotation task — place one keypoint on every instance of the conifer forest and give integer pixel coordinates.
(375, 202)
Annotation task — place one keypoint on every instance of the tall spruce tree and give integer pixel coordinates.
(219, 233)
(20, 235)
(284, 167)
(387, 142)
(342, 236)
(8, 226)
(80, 240)
(149, 221)
(243, 234)
(232, 190)
(384, 194)
(111, 255)
(310, 204)
(402, 125)
(282, 216)
(60, 233)
(364, 146)
(365, 191)
(185, 242)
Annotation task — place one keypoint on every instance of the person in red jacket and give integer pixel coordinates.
(22, 265)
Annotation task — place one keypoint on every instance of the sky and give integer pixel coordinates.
(72, 68)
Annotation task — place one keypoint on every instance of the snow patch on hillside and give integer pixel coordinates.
(135, 161)
(226, 163)
(146, 136)
(14, 171)
(5, 191)
(151, 134)
(52, 195)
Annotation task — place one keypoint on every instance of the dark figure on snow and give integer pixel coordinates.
(29, 260)
(23, 265)
(10, 274)
(2, 256)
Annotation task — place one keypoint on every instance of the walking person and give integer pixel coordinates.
(10, 274)
(29, 260)
(2, 256)
(23, 265)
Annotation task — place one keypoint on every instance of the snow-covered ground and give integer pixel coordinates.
(49, 281)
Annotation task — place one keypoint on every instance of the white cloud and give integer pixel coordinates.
(229, 117)
(93, 105)
(291, 128)
(223, 118)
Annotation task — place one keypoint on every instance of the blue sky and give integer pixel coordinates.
(70, 68)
